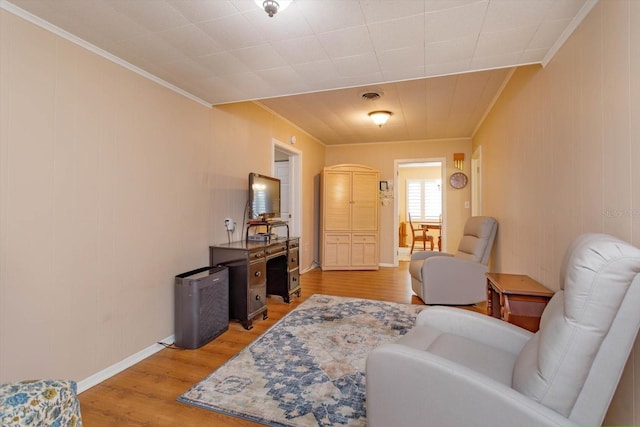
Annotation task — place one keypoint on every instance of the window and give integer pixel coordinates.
(424, 200)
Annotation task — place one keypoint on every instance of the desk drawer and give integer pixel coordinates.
(257, 273)
(256, 255)
(275, 250)
(293, 259)
(294, 280)
(294, 243)
(257, 297)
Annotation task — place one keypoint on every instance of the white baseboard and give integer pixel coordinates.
(313, 266)
(106, 373)
(384, 264)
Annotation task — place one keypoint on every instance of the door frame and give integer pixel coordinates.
(396, 224)
(476, 182)
(295, 183)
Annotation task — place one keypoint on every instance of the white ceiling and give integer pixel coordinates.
(223, 51)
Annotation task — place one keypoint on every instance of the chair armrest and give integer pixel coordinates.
(450, 264)
(450, 280)
(410, 387)
(476, 326)
(428, 254)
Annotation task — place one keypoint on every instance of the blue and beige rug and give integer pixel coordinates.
(309, 368)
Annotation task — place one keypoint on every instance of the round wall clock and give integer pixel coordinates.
(458, 180)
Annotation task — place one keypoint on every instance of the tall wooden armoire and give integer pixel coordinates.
(349, 228)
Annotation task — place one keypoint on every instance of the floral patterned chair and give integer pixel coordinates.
(40, 403)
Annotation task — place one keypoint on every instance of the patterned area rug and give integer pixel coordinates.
(308, 368)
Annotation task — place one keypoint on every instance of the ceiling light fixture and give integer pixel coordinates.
(380, 117)
(272, 6)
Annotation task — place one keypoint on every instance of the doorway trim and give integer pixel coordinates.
(396, 209)
(476, 182)
(295, 181)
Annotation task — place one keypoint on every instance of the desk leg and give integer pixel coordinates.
(247, 324)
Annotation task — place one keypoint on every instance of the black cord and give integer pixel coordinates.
(172, 346)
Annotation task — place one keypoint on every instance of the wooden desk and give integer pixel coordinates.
(434, 226)
(258, 269)
(517, 299)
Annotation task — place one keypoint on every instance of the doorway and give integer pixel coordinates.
(286, 165)
(419, 189)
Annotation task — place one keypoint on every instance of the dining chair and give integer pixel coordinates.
(435, 227)
(419, 235)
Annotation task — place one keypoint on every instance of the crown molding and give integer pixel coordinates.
(9, 7)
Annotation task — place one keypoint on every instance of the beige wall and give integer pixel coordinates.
(559, 151)
(110, 185)
(242, 135)
(382, 157)
(103, 199)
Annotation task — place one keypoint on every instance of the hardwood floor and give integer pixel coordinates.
(145, 394)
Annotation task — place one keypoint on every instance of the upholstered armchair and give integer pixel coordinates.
(456, 279)
(463, 368)
(40, 403)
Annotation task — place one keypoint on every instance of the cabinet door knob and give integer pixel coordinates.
(258, 274)
(257, 297)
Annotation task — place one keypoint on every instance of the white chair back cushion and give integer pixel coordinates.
(554, 365)
(477, 239)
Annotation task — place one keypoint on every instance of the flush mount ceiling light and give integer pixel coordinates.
(380, 117)
(272, 6)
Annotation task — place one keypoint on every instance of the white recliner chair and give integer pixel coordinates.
(462, 368)
(456, 279)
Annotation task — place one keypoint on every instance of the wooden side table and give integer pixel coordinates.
(517, 299)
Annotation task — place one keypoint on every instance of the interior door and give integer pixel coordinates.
(281, 171)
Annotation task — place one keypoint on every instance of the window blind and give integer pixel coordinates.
(424, 200)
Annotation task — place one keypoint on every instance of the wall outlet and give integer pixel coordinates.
(230, 224)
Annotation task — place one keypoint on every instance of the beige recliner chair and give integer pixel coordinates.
(456, 279)
(462, 368)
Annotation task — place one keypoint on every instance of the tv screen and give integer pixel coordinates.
(264, 197)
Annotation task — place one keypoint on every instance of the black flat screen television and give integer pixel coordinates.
(264, 197)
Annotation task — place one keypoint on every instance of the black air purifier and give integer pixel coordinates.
(201, 306)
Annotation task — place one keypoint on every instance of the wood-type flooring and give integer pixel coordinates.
(145, 394)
